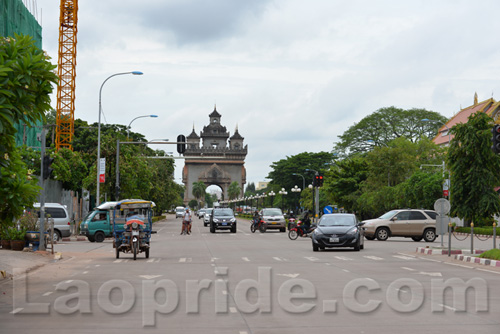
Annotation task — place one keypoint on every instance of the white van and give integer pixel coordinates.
(179, 211)
(61, 218)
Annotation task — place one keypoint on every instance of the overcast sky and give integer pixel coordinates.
(291, 74)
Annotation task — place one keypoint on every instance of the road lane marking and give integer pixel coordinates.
(311, 258)
(343, 258)
(345, 270)
(233, 310)
(436, 274)
(448, 307)
(490, 271)
(85, 272)
(150, 260)
(403, 257)
(246, 259)
(423, 258)
(371, 257)
(185, 259)
(409, 255)
(48, 293)
(117, 261)
(17, 310)
(149, 276)
(458, 265)
(289, 275)
(406, 268)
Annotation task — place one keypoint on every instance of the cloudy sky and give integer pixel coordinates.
(291, 74)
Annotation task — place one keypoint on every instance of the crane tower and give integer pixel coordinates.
(66, 70)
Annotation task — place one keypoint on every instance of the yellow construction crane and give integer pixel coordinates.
(66, 70)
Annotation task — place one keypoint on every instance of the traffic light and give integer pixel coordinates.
(317, 180)
(320, 180)
(47, 162)
(181, 144)
(496, 138)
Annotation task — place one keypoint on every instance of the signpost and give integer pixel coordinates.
(327, 209)
(442, 207)
(102, 170)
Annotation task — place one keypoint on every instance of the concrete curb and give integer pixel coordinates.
(77, 238)
(434, 251)
(473, 259)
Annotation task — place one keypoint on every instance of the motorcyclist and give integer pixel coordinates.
(256, 218)
(306, 223)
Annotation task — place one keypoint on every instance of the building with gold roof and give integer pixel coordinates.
(489, 106)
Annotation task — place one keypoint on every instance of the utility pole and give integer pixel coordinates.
(41, 245)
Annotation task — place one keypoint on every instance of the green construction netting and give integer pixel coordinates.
(15, 18)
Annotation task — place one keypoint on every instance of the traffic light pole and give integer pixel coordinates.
(41, 243)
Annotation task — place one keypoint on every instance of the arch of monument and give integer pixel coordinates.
(214, 157)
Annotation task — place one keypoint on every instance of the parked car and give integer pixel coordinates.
(62, 221)
(179, 212)
(408, 223)
(222, 219)
(96, 226)
(206, 217)
(273, 219)
(338, 230)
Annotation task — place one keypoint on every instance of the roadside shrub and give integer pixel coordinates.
(493, 254)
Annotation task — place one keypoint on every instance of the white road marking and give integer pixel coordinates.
(150, 260)
(233, 310)
(347, 271)
(311, 258)
(371, 257)
(17, 310)
(289, 275)
(149, 276)
(448, 307)
(224, 292)
(423, 258)
(85, 272)
(458, 265)
(48, 293)
(403, 257)
(406, 268)
(69, 281)
(97, 265)
(407, 255)
(117, 261)
(430, 274)
(343, 258)
(246, 259)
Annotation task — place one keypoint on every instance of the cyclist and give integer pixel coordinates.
(186, 222)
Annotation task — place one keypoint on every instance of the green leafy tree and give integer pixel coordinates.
(385, 125)
(475, 171)
(234, 190)
(199, 190)
(26, 77)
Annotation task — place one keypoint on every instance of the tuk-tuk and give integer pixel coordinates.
(132, 226)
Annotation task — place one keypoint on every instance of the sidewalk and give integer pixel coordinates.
(25, 260)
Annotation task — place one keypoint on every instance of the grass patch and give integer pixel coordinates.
(477, 230)
(493, 254)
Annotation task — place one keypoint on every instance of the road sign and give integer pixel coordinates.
(446, 193)
(442, 206)
(102, 178)
(327, 209)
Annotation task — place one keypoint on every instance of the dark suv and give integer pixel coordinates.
(222, 219)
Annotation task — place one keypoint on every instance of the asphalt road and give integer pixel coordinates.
(252, 283)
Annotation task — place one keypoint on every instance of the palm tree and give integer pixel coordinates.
(199, 190)
(234, 190)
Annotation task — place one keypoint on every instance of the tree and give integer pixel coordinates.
(26, 76)
(234, 190)
(199, 190)
(475, 171)
(385, 125)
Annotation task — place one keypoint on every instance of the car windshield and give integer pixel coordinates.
(223, 212)
(337, 220)
(272, 212)
(388, 215)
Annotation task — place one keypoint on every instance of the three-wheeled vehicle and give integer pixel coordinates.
(132, 226)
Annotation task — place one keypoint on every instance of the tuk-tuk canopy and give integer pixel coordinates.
(134, 204)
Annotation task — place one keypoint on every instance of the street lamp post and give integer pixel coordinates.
(282, 192)
(296, 190)
(303, 180)
(128, 127)
(272, 193)
(99, 130)
(316, 207)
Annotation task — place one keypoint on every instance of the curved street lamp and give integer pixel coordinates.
(128, 127)
(272, 193)
(296, 190)
(99, 129)
(282, 192)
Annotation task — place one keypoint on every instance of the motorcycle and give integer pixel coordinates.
(260, 225)
(296, 231)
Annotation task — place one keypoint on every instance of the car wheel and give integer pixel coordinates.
(362, 246)
(382, 233)
(370, 237)
(315, 247)
(429, 235)
(56, 236)
(283, 229)
(416, 238)
(91, 238)
(357, 246)
(99, 236)
(233, 228)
